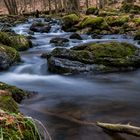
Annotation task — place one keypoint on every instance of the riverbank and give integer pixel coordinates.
(13, 124)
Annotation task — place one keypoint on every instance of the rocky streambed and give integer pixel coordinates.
(79, 77)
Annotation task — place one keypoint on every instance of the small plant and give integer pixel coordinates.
(17, 127)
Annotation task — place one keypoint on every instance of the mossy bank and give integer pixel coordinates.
(15, 126)
(120, 23)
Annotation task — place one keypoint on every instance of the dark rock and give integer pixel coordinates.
(59, 41)
(96, 36)
(61, 65)
(46, 55)
(75, 36)
(40, 27)
(31, 32)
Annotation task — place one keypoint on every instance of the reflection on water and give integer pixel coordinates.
(113, 98)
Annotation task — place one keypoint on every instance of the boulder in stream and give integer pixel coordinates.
(75, 36)
(59, 41)
(19, 42)
(95, 57)
(40, 27)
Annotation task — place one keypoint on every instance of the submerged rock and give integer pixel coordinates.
(40, 27)
(19, 42)
(59, 41)
(8, 57)
(94, 57)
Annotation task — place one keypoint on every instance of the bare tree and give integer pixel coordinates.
(11, 6)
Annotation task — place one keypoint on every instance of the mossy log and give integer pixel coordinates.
(120, 128)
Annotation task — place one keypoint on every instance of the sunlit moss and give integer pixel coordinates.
(94, 22)
(19, 42)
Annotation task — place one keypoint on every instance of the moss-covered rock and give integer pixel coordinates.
(8, 57)
(136, 21)
(103, 57)
(17, 94)
(40, 27)
(92, 10)
(75, 36)
(12, 19)
(7, 103)
(69, 21)
(19, 42)
(93, 22)
(117, 20)
(113, 53)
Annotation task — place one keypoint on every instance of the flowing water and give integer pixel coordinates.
(113, 98)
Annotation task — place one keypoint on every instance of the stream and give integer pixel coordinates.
(113, 98)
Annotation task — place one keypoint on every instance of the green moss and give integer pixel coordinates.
(11, 52)
(117, 20)
(71, 19)
(92, 10)
(7, 103)
(17, 94)
(19, 42)
(113, 53)
(112, 49)
(94, 22)
(136, 21)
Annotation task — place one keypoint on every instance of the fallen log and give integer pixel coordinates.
(120, 128)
